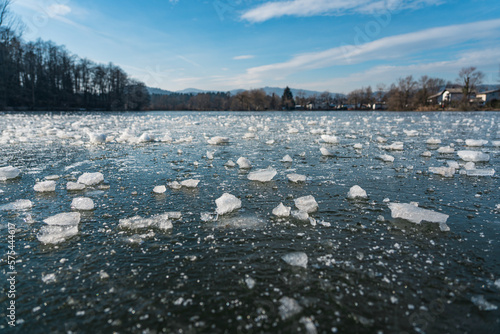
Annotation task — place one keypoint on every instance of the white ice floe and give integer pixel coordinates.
(55, 234)
(356, 192)
(381, 140)
(210, 155)
(52, 177)
(191, 183)
(244, 163)
(411, 133)
(474, 156)
(496, 143)
(174, 185)
(475, 142)
(297, 259)
(227, 203)
(20, 204)
(97, 138)
(270, 142)
(295, 178)
(63, 219)
(91, 179)
(358, 146)
(453, 164)
(386, 158)
(433, 141)
(300, 215)
(325, 152)
(250, 282)
(416, 215)
(74, 186)
(82, 203)
(446, 150)
(230, 164)
(282, 210)
(306, 203)
(159, 221)
(330, 139)
(262, 175)
(470, 165)
(483, 304)
(443, 171)
(159, 189)
(145, 138)
(218, 140)
(45, 186)
(287, 158)
(480, 172)
(9, 172)
(426, 154)
(396, 146)
(289, 308)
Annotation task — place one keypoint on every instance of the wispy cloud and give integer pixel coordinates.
(243, 57)
(390, 73)
(304, 8)
(394, 47)
(58, 10)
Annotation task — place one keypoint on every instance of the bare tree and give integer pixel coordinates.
(470, 78)
(4, 12)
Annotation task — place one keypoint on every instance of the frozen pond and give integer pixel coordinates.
(143, 246)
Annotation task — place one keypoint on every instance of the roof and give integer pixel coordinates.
(490, 91)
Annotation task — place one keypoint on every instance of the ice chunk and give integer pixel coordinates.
(191, 183)
(300, 215)
(91, 179)
(306, 203)
(386, 158)
(52, 177)
(289, 307)
(74, 186)
(250, 282)
(160, 221)
(146, 137)
(97, 138)
(415, 214)
(411, 133)
(230, 163)
(9, 172)
(296, 178)
(396, 146)
(496, 143)
(262, 175)
(82, 203)
(270, 142)
(480, 172)
(433, 141)
(356, 192)
(287, 158)
(54, 234)
(309, 325)
(281, 210)
(297, 259)
(358, 146)
(426, 154)
(244, 163)
(452, 164)
(446, 150)
(330, 139)
(475, 142)
(227, 203)
(474, 156)
(293, 130)
(175, 185)
(174, 214)
(210, 155)
(45, 186)
(443, 171)
(20, 204)
(325, 152)
(63, 219)
(159, 189)
(470, 165)
(217, 140)
(483, 304)
(381, 140)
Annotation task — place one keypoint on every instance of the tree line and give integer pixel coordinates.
(42, 75)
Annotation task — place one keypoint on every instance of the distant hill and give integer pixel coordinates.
(269, 91)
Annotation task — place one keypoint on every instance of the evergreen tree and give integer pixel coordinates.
(287, 101)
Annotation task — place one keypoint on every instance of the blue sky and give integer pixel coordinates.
(325, 45)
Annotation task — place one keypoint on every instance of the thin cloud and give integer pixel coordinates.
(243, 57)
(304, 8)
(58, 10)
(393, 47)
